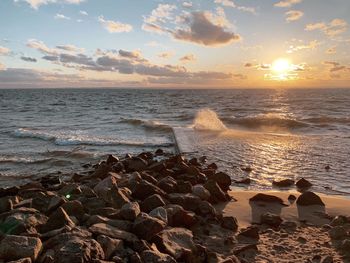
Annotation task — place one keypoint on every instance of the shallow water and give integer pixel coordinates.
(279, 133)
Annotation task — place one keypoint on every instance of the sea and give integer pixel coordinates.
(276, 133)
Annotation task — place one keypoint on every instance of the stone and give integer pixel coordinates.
(338, 232)
(283, 183)
(70, 190)
(216, 193)
(206, 209)
(74, 208)
(222, 179)
(187, 201)
(303, 183)
(146, 226)
(178, 217)
(339, 220)
(150, 256)
(167, 184)
(129, 211)
(17, 247)
(309, 198)
(5, 204)
(136, 164)
(118, 198)
(22, 260)
(184, 187)
(151, 203)
(110, 245)
(105, 185)
(113, 232)
(101, 171)
(111, 159)
(327, 259)
(120, 224)
(57, 219)
(177, 242)
(229, 222)
(266, 198)
(146, 189)
(345, 246)
(271, 219)
(148, 177)
(244, 181)
(160, 213)
(250, 232)
(201, 192)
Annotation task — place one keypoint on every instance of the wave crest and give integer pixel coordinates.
(207, 119)
(148, 124)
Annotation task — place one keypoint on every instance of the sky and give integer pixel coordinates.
(174, 44)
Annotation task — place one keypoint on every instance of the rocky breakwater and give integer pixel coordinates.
(146, 208)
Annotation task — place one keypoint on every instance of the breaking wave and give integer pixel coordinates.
(208, 120)
(148, 124)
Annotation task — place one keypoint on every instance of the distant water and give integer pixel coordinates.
(278, 133)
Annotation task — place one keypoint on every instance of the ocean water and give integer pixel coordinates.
(278, 133)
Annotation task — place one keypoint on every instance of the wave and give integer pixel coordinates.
(148, 124)
(328, 120)
(62, 139)
(208, 120)
(25, 160)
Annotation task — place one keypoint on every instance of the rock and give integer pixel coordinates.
(17, 247)
(201, 192)
(111, 159)
(5, 204)
(117, 198)
(102, 171)
(136, 164)
(327, 259)
(146, 189)
(120, 224)
(271, 219)
(149, 178)
(177, 242)
(338, 232)
(187, 201)
(303, 183)
(212, 166)
(266, 198)
(184, 187)
(222, 179)
(309, 198)
(283, 183)
(167, 184)
(57, 219)
(22, 260)
(129, 211)
(216, 193)
(151, 203)
(74, 208)
(105, 185)
(159, 152)
(292, 198)
(247, 169)
(244, 181)
(109, 245)
(250, 232)
(345, 246)
(146, 227)
(229, 222)
(339, 221)
(160, 213)
(150, 256)
(113, 232)
(206, 209)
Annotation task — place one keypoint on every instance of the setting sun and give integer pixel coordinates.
(281, 65)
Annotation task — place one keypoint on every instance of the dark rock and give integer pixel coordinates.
(339, 221)
(111, 159)
(151, 203)
(206, 209)
(216, 193)
(201, 192)
(309, 198)
(222, 179)
(118, 198)
(283, 183)
(146, 227)
(338, 232)
(17, 247)
(247, 169)
(229, 222)
(250, 232)
(136, 164)
(184, 187)
(345, 246)
(327, 259)
(160, 213)
(70, 190)
(102, 188)
(187, 201)
(146, 189)
(150, 256)
(120, 224)
(102, 171)
(244, 181)
(270, 219)
(292, 198)
(212, 166)
(159, 152)
(74, 208)
(113, 232)
(5, 204)
(303, 183)
(266, 198)
(57, 219)
(149, 178)
(129, 211)
(110, 245)
(167, 184)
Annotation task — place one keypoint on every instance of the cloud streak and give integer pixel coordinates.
(114, 26)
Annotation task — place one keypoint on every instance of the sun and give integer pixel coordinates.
(281, 66)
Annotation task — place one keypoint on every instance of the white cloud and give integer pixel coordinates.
(70, 48)
(287, 3)
(225, 3)
(84, 13)
(166, 55)
(39, 45)
(331, 29)
(231, 3)
(114, 26)
(61, 16)
(311, 45)
(188, 58)
(4, 50)
(37, 3)
(187, 4)
(293, 15)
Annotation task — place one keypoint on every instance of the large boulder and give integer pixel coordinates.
(222, 179)
(216, 193)
(146, 189)
(309, 198)
(151, 203)
(303, 183)
(146, 226)
(266, 198)
(57, 219)
(17, 247)
(177, 242)
(187, 201)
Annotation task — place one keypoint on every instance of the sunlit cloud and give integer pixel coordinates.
(188, 58)
(331, 50)
(114, 26)
(84, 13)
(333, 28)
(287, 3)
(293, 15)
(300, 46)
(4, 51)
(37, 3)
(231, 3)
(166, 55)
(70, 48)
(187, 4)
(61, 16)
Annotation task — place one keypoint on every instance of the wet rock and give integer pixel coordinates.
(177, 242)
(5, 204)
(250, 232)
(303, 183)
(216, 193)
(309, 198)
(271, 219)
(146, 189)
(283, 183)
(167, 184)
(187, 201)
(109, 245)
(222, 179)
(266, 198)
(201, 192)
(136, 164)
(150, 256)
(146, 227)
(113, 232)
(151, 203)
(57, 219)
(111, 159)
(229, 222)
(129, 211)
(17, 247)
(160, 213)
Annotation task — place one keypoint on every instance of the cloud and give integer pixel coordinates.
(334, 66)
(187, 4)
(130, 54)
(293, 15)
(40, 46)
(114, 26)
(230, 3)
(331, 29)
(287, 3)
(166, 55)
(201, 30)
(61, 16)
(4, 51)
(331, 50)
(188, 58)
(84, 13)
(70, 48)
(37, 3)
(2, 66)
(248, 65)
(162, 13)
(28, 59)
(311, 45)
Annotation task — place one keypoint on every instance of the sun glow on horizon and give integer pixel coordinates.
(282, 70)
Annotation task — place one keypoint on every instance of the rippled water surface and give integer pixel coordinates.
(278, 133)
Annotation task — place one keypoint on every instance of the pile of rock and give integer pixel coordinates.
(145, 208)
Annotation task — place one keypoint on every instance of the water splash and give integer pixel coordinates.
(207, 119)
